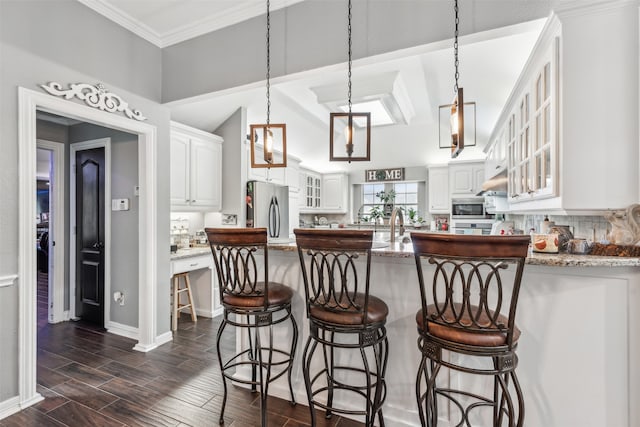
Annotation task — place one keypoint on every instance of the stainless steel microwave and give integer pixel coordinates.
(469, 208)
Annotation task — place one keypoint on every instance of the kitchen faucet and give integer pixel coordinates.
(397, 212)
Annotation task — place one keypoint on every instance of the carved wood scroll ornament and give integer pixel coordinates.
(94, 96)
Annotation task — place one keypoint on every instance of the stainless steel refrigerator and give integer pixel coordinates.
(268, 206)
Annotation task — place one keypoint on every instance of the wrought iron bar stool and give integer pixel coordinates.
(468, 309)
(342, 316)
(252, 302)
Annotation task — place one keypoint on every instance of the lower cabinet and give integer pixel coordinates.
(204, 283)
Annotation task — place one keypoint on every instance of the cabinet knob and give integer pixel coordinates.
(187, 200)
(193, 201)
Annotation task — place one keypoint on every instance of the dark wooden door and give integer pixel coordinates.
(90, 175)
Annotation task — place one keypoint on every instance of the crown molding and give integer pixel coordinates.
(591, 7)
(234, 15)
(111, 12)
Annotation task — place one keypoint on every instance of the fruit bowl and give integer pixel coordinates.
(546, 243)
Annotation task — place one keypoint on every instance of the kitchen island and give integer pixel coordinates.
(579, 349)
(578, 353)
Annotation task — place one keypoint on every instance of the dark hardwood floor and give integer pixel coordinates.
(89, 377)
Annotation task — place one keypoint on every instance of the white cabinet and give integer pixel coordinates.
(196, 166)
(497, 150)
(465, 179)
(335, 192)
(327, 193)
(439, 201)
(311, 188)
(527, 129)
(204, 282)
(283, 176)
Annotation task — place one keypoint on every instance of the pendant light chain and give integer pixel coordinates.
(349, 73)
(455, 47)
(268, 62)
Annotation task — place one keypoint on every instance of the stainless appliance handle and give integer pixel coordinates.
(274, 217)
(277, 210)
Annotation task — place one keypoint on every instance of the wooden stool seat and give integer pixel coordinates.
(176, 291)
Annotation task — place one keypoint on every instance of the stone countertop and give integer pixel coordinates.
(405, 250)
(191, 252)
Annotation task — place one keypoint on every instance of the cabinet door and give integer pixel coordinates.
(461, 179)
(333, 192)
(294, 211)
(302, 186)
(439, 201)
(179, 170)
(205, 173)
(478, 178)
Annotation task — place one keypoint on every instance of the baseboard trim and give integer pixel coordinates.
(164, 338)
(13, 405)
(123, 330)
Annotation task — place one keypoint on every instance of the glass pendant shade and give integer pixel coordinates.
(350, 137)
(269, 145)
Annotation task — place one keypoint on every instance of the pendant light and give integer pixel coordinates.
(269, 140)
(456, 109)
(349, 132)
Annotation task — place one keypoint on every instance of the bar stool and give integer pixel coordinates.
(176, 290)
(253, 304)
(469, 308)
(343, 316)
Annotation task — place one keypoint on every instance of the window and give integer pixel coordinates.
(406, 196)
(369, 197)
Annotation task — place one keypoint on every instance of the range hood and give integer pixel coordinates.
(496, 185)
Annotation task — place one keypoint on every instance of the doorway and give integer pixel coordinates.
(90, 189)
(50, 170)
(29, 102)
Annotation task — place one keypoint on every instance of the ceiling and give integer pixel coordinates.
(490, 64)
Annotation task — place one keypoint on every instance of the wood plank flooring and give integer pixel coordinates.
(89, 377)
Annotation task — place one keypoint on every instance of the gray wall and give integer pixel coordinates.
(64, 41)
(124, 224)
(312, 34)
(234, 172)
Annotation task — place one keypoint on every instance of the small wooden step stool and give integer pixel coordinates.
(176, 291)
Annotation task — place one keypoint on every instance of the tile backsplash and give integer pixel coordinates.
(588, 227)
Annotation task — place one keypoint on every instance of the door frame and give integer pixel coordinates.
(57, 183)
(28, 102)
(75, 147)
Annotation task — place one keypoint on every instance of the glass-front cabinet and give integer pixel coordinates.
(312, 191)
(531, 133)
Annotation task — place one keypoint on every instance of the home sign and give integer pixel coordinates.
(378, 175)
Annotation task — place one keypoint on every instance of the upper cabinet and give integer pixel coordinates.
(571, 147)
(283, 176)
(465, 179)
(335, 192)
(195, 172)
(323, 193)
(532, 143)
(439, 200)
